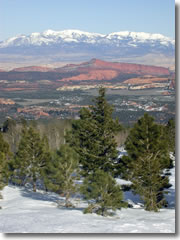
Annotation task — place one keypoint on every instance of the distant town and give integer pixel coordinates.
(128, 104)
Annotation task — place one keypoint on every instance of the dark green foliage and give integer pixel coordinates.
(31, 158)
(62, 172)
(147, 159)
(103, 192)
(170, 135)
(4, 159)
(93, 136)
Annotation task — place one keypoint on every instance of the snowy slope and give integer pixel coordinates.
(26, 212)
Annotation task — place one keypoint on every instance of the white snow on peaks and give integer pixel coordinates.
(74, 32)
(72, 35)
(139, 36)
(49, 32)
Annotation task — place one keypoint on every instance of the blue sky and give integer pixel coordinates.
(101, 16)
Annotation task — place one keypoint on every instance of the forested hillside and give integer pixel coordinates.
(82, 157)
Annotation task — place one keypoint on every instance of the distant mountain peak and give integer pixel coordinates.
(74, 45)
(73, 35)
(49, 32)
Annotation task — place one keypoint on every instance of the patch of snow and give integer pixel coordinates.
(121, 152)
(172, 156)
(123, 182)
(24, 211)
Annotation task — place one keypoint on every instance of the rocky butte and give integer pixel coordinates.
(101, 70)
(95, 71)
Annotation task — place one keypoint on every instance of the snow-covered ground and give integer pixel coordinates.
(26, 212)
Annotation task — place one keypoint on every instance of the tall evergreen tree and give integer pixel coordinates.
(93, 136)
(32, 157)
(4, 159)
(147, 159)
(62, 173)
(105, 193)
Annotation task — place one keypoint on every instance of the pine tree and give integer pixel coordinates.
(31, 158)
(103, 191)
(170, 135)
(146, 161)
(4, 159)
(62, 173)
(93, 136)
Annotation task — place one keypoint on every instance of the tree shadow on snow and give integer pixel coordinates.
(49, 197)
(134, 199)
(71, 208)
(171, 198)
(46, 196)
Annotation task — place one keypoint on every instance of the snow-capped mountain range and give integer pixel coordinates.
(72, 46)
(50, 37)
